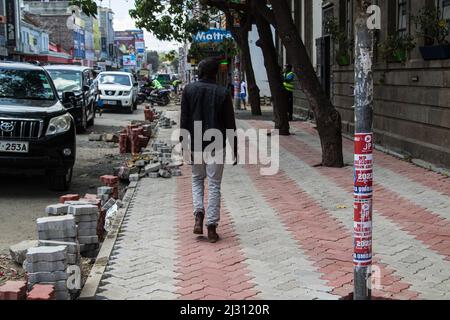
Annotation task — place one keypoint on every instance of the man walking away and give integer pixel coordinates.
(206, 103)
(244, 94)
(288, 84)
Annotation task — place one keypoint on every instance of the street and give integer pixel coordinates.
(24, 198)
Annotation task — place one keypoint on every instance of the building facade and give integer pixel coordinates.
(3, 48)
(67, 27)
(411, 97)
(108, 53)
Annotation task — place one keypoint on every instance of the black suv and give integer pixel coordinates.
(36, 131)
(80, 81)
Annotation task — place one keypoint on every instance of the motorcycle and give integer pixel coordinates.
(143, 94)
(160, 97)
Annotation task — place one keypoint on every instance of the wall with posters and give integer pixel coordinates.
(131, 46)
(79, 51)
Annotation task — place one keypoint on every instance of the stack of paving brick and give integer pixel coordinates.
(48, 265)
(112, 182)
(86, 217)
(149, 114)
(42, 292)
(69, 197)
(57, 228)
(13, 290)
(104, 193)
(133, 138)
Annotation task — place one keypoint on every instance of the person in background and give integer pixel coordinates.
(244, 94)
(288, 84)
(206, 103)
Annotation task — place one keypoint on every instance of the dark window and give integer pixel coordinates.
(349, 18)
(25, 84)
(402, 16)
(444, 6)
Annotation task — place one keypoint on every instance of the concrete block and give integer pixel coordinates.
(87, 225)
(109, 137)
(89, 247)
(88, 240)
(59, 223)
(153, 167)
(109, 204)
(73, 259)
(79, 203)
(140, 163)
(104, 190)
(57, 235)
(134, 177)
(153, 175)
(18, 251)
(78, 210)
(45, 266)
(46, 254)
(72, 247)
(87, 232)
(165, 173)
(57, 209)
(86, 218)
(176, 172)
(95, 137)
(39, 277)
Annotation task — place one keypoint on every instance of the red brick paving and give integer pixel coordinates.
(209, 271)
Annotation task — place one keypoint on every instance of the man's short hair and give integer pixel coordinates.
(288, 66)
(208, 68)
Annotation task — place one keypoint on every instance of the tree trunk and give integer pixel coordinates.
(253, 90)
(327, 117)
(240, 35)
(279, 94)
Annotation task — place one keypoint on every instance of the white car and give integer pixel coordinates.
(117, 90)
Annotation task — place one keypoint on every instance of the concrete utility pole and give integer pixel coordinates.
(363, 166)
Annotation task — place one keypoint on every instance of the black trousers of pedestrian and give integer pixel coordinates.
(290, 105)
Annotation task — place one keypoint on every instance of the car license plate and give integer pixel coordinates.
(13, 146)
(110, 102)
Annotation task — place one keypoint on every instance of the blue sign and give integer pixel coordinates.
(212, 35)
(79, 51)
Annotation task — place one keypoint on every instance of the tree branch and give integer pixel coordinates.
(264, 11)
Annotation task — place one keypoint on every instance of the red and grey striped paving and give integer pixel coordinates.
(289, 235)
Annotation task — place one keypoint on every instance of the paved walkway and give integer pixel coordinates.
(287, 236)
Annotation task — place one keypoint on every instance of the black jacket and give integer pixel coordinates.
(211, 104)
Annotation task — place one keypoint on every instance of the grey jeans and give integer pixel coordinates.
(214, 173)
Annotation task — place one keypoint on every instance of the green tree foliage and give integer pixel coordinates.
(153, 59)
(172, 19)
(88, 7)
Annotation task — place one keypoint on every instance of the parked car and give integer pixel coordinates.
(80, 81)
(36, 131)
(118, 90)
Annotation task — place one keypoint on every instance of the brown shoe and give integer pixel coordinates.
(212, 234)
(198, 228)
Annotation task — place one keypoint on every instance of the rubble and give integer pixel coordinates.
(18, 251)
(95, 137)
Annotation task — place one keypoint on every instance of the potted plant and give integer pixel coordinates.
(397, 47)
(340, 39)
(435, 32)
